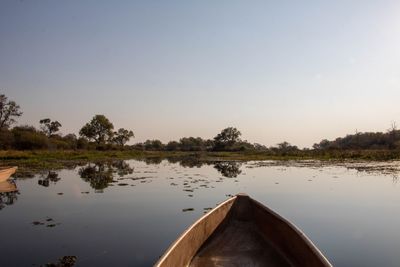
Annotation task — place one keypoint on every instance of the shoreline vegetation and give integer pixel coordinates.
(25, 145)
(58, 159)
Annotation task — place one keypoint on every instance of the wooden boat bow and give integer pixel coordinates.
(6, 172)
(242, 232)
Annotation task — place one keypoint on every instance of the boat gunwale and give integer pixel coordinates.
(6, 168)
(291, 225)
(297, 230)
(6, 172)
(189, 229)
(7, 186)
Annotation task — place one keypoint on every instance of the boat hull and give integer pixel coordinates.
(5, 173)
(6, 187)
(242, 232)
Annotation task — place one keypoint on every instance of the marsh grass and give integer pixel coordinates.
(42, 159)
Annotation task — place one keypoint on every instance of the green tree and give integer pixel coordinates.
(70, 141)
(287, 146)
(8, 111)
(49, 127)
(324, 144)
(156, 145)
(122, 136)
(6, 139)
(191, 144)
(172, 146)
(27, 138)
(227, 138)
(99, 129)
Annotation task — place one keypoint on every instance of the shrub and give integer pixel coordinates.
(28, 138)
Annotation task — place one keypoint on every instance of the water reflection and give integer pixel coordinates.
(26, 172)
(228, 169)
(100, 174)
(121, 167)
(188, 161)
(153, 160)
(167, 196)
(51, 176)
(8, 193)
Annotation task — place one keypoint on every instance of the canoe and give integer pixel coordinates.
(242, 232)
(6, 172)
(6, 187)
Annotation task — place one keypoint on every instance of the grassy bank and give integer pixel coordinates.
(54, 159)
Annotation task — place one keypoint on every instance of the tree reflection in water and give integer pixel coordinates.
(228, 169)
(187, 162)
(121, 167)
(8, 194)
(51, 176)
(101, 174)
(153, 160)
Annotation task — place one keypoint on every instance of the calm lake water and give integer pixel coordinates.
(126, 213)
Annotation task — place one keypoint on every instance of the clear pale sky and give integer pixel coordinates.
(298, 71)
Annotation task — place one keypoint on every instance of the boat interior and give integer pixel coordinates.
(243, 232)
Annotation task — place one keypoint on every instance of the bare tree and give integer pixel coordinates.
(8, 111)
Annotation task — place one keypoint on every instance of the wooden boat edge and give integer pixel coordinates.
(189, 229)
(7, 186)
(7, 171)
(8, 168)
(297, 231)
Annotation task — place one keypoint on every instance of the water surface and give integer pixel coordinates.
(128, 212)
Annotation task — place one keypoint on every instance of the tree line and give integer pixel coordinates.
(389, 140)
(99, 133)
(96, 134)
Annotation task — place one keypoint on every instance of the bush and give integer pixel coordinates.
(155, 145)
(28, 138)
(6, 139)
(82, 143)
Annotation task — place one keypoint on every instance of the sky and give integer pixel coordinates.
(296, 71)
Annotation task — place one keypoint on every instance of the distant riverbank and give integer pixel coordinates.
(54, 159)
